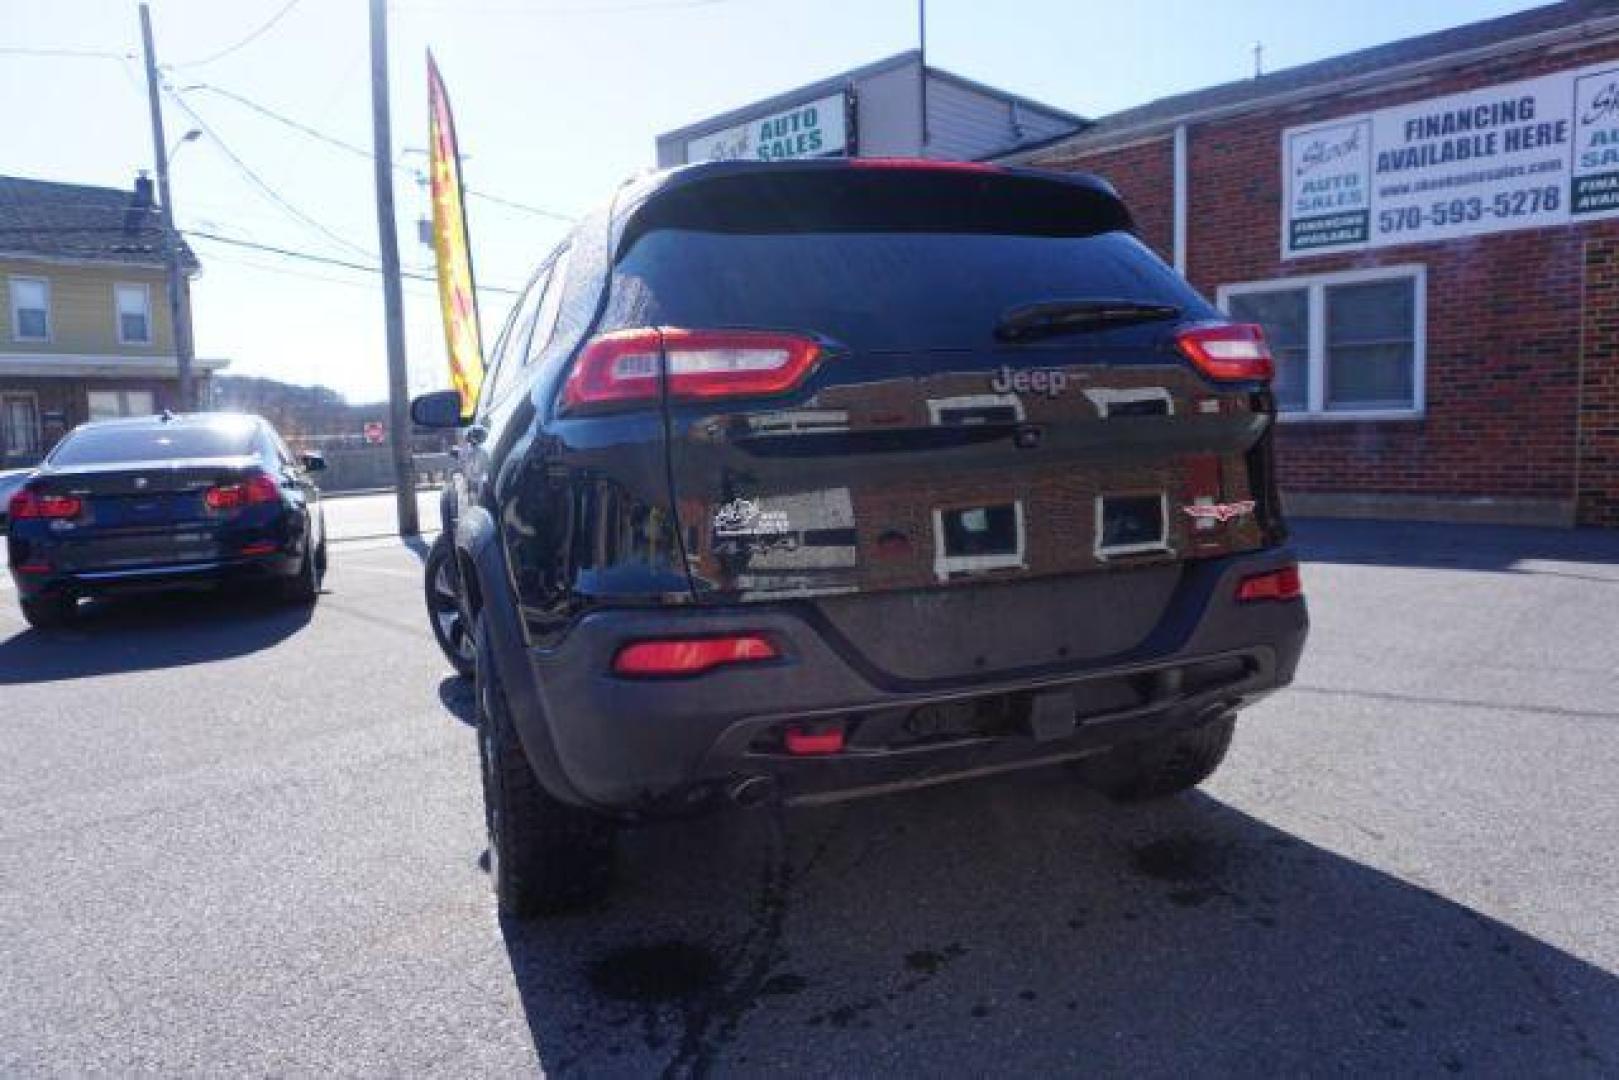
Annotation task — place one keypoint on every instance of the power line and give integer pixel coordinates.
(360, 151)
(80, 54)
(262, 185)
(536, 9)
(266, 111)
(515, 205)
(308, 256)
(246, 41)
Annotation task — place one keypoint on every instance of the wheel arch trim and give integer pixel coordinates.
(479, 555)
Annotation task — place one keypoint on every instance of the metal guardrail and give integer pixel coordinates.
(433, 469)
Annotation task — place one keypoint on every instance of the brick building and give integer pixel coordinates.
(1428, 231)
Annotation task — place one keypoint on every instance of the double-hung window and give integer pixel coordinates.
(133, 306)
(30, 309)
(1347, 345)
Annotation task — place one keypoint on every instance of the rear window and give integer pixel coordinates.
(118, 444)
(883, 290)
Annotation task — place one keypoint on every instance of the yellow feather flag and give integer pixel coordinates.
(457, 296)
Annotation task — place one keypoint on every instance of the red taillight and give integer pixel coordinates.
(1283, 584)
(624, 367)
(927, 164)
(260, 547)
(34, 568)
(258, 488)
(28, 504)
(691, 656)
(1228, 351)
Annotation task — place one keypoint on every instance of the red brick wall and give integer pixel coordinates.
(1599, 389)
(1504, 312)
(1142, 173)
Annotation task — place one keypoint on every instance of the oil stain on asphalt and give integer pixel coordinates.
(668, 971)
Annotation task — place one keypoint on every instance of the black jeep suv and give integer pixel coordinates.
(799, 481)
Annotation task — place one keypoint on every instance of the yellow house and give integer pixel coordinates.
(85, 331)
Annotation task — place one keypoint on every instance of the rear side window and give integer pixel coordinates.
(882, 290)
(115, 445)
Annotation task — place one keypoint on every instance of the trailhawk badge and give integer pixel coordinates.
(1220, 511)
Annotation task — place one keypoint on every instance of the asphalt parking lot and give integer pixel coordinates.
(240, 839)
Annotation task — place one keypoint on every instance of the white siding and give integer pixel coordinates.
(964, 123)
(890, 109)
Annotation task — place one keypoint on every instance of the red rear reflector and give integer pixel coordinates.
(34, 568)
(691, 656)
(624, 367)
(924, 164)
(1228, 351)
(31, 504)
(260, 547)
(258, 488)
(1283, 584)
(800, 741)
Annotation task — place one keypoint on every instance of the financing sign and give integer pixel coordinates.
(1523, 155)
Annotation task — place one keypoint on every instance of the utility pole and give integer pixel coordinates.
(393, 301)
(922, 58)
(179, 291)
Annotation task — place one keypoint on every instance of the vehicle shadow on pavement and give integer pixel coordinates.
(1504, 548)
(459, 699)
(144, 633)
(1021, 925)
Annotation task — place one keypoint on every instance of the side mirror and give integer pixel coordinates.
(314, 462)
(440, 409)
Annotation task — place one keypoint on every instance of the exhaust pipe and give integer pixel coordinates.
(752, 791)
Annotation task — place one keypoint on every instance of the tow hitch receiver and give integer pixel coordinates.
(1052, 715)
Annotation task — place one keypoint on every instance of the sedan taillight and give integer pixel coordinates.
(28, 504)
(628, 367)
(258, 488)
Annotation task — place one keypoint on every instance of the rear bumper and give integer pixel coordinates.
(190, 574)
(624, 744)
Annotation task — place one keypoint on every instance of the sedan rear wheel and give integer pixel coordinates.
(48, 612)
(445, 610)
(304, 588)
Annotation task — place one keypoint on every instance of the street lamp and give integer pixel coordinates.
(191, 136)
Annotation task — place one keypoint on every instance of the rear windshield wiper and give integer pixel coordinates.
(1049, 317)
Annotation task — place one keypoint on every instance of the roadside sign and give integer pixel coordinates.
(374, 432)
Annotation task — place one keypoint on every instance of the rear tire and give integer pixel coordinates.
(446, 612)
(304, 588)
(1160, 767)
(48, 612)
(545, 857)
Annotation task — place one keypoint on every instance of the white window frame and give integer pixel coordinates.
(16, 326)
(118, 314)
(1143, 547)
(1105, 399)
(1316, 286)
(937, 407)
(946, 566)
(122, 396)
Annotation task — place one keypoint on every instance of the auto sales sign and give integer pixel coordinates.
(816, 128)
(1524, 155)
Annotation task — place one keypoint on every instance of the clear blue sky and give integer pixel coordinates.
(557, 101)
